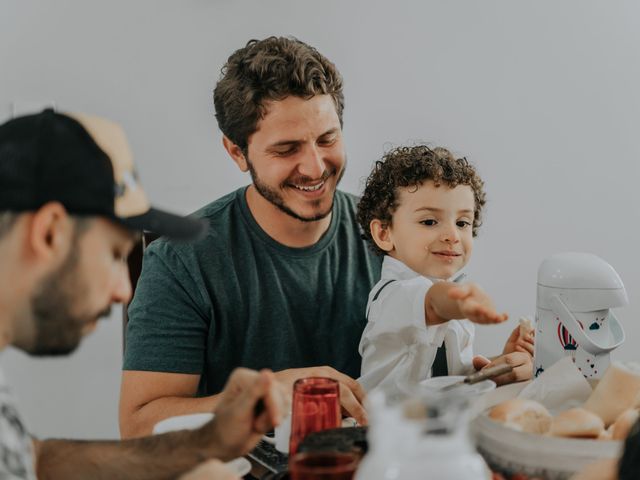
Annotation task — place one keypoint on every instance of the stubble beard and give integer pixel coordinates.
(275, 198)
(58, 329)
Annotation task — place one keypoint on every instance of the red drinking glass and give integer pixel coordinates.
(315, 407)
(323, 466)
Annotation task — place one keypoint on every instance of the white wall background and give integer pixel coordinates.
(543, 97)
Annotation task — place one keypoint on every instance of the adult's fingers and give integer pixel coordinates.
(352, 394)
(245, 385)
(354, 387)
(249, 399)
(352, 405)
(240, 379)
(277, 400)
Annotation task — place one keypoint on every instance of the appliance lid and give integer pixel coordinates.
(574, 270)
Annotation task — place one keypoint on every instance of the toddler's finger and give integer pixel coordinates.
(528, 347)
(480, 361)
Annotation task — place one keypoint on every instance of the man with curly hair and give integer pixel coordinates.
(421, 209)
(281, 279)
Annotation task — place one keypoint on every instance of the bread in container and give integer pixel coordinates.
(623, 424)
(616, 392)
(576, 423)
(523, 415)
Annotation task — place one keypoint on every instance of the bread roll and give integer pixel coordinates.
(524, 415)
(526, 327)
(578, 423)
(616, 392)
(622, 426)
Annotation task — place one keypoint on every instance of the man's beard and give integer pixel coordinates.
(275, 198)
(58, 330)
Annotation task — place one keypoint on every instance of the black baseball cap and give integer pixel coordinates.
(85, 163)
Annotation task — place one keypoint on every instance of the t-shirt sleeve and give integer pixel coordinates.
(168, 318)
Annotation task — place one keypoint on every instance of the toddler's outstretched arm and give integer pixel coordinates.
(446, 301)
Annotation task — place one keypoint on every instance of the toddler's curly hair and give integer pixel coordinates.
(411, 167)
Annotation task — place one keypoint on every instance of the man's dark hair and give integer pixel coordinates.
(411, 167)
(7, 220)
(267, 70)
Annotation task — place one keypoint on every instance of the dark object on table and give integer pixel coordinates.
(276, 476)
(266, 455)
(336, 439)
(630, 462)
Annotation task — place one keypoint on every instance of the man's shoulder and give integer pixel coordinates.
(347, 200)
(345, 206)
(220, 215)
(221, 208)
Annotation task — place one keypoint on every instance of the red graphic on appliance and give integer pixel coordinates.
(566, 340)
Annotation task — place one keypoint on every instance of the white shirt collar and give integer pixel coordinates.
(393, 268)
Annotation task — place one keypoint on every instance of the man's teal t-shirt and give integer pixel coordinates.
(239, 298)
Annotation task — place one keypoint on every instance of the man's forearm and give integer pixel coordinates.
(158, 457)
(140, 422)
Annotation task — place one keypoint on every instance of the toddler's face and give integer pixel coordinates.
(431, 231)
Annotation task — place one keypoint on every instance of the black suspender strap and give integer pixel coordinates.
(375, 297)
(440, 367)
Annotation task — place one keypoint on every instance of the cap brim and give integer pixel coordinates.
(167, 224)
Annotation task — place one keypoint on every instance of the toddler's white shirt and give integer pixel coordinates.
(397, 347)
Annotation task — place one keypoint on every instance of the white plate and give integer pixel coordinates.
(438, 383)
(182, 422)
(240, 466)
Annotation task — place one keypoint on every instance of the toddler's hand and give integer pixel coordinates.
(476, 305)
(517, 343)
(522, 364)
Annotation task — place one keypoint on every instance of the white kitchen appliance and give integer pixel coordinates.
(573, 318)
(424, 437)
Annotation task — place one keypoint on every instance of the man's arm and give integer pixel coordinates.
(149, 397)
(233, 432)
(157, 457)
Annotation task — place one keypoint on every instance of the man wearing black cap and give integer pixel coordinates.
(70, 207)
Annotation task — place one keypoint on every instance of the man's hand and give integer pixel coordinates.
(252, 404)
(209, 470)
(517, 343)
(475, 304)
(521, 362)
(351, 393)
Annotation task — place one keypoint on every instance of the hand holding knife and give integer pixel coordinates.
(484, 374)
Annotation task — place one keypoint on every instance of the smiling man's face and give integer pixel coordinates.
(431, 230)
(296, 156)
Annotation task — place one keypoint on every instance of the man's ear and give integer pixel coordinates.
(381, 234)
(50, 232)
(236, 153)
